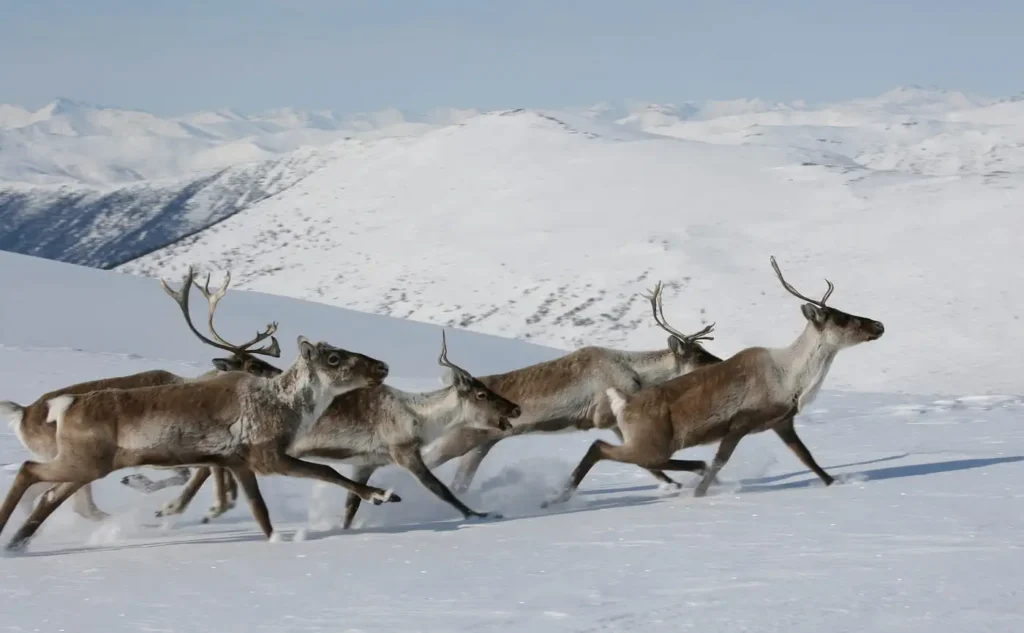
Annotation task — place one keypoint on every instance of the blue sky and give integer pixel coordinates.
(354, 55)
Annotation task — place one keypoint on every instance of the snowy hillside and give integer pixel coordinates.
(543, 225)
(107, 227)
(100, 186)
(526, 225)
(922, 534)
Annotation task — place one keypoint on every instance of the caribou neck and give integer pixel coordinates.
(653, 367)
(300, 389)
(438, 409)
(804, 365)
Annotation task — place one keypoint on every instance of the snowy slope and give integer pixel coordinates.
(107, 227)
(543, 228)
(100, 186)
(544, 225)
(923, 535)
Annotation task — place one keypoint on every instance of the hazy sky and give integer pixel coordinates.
(351, 55)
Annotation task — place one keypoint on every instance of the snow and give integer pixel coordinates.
(922, 534)
(527, 233)
(70, 142)
(525, 225)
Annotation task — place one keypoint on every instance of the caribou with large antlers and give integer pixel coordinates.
(383, 425)
(758, 389)
(568, 393)
(243, 358)
(39, 435)
(234, 420)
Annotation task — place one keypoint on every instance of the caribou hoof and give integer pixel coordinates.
(384, 496)
(483, 516)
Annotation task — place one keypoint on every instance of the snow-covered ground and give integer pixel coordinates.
(543, 226)
(924, 534)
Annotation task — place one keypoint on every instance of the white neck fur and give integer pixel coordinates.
(438, 410)
(804, 365)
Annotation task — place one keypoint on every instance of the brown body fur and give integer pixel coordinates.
(40, 436)
(235, 420)
(568, 393)
(382, 425)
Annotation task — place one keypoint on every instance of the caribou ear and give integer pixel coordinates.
(307, 349)
(813, 313)
(224, 364)
(675, 345)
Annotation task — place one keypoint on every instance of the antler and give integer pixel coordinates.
(793, 291)
(213, 298)
(443, 361)
(654, 296)
(181, 297)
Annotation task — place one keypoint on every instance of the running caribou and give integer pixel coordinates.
(568, 393)
(757, 389)
(383, 425)
(39, 435)
(234, 420)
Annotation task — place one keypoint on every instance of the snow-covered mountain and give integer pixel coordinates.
(100, 186)
(543, 225)
(69, 142)
(107, 227)
(522, 224)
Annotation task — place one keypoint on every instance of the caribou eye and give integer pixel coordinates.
(480, 395)
(333, 360)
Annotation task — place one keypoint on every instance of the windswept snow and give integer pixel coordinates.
(923, 534)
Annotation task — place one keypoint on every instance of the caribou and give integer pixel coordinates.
(757, 389)
(568, 393)
(235, 420)
(377, 426)
(38, 434)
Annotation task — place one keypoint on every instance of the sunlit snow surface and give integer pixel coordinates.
(923, 534)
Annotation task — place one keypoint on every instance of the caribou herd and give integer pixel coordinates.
(247, 417)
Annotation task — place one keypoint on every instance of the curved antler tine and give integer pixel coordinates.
(443, 358)
(793, 291)
(658, 308)
(828, 293)
(213, 298)
(703, 334)
(443, 361)
(652, 294)
(654, 297)
(180, 297)
(260, 337)
(273, 349)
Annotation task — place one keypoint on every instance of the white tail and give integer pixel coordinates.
(14, 413)
(57, 407)
(618, 401)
